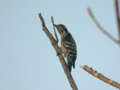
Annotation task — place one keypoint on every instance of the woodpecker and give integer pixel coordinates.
(68, 45)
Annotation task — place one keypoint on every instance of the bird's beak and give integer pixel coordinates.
(55, 25)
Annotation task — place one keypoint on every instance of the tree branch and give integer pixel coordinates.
(57, 49)
(117, 16)
(101, 28)
(52, 20)
(100, 76)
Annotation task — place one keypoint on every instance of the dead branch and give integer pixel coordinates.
(100, 76)
(52, 20)
(117, 16)
(101, 28)
(57, 49)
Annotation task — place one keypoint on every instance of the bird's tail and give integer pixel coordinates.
(69, 66)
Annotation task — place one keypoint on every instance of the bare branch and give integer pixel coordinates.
(61, 58)
(117, 16)
(101, 28)
(52, 20)
(100, 76)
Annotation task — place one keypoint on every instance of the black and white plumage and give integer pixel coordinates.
(68, 45)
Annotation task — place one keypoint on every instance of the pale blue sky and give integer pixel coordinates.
(27, 59)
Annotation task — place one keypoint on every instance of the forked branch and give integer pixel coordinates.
(57, 49)
(100, 76)
(101, 28)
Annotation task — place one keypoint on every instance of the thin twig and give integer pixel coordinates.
(57, 49)
(100, 76)
(101, 28)
(117, 16)
(52, 20)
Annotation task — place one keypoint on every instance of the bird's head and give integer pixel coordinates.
(61, 29)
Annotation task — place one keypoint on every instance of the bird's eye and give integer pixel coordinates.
(61, 31)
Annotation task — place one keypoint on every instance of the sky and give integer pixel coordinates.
(28, 60)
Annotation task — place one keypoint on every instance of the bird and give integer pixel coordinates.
(68, 45)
